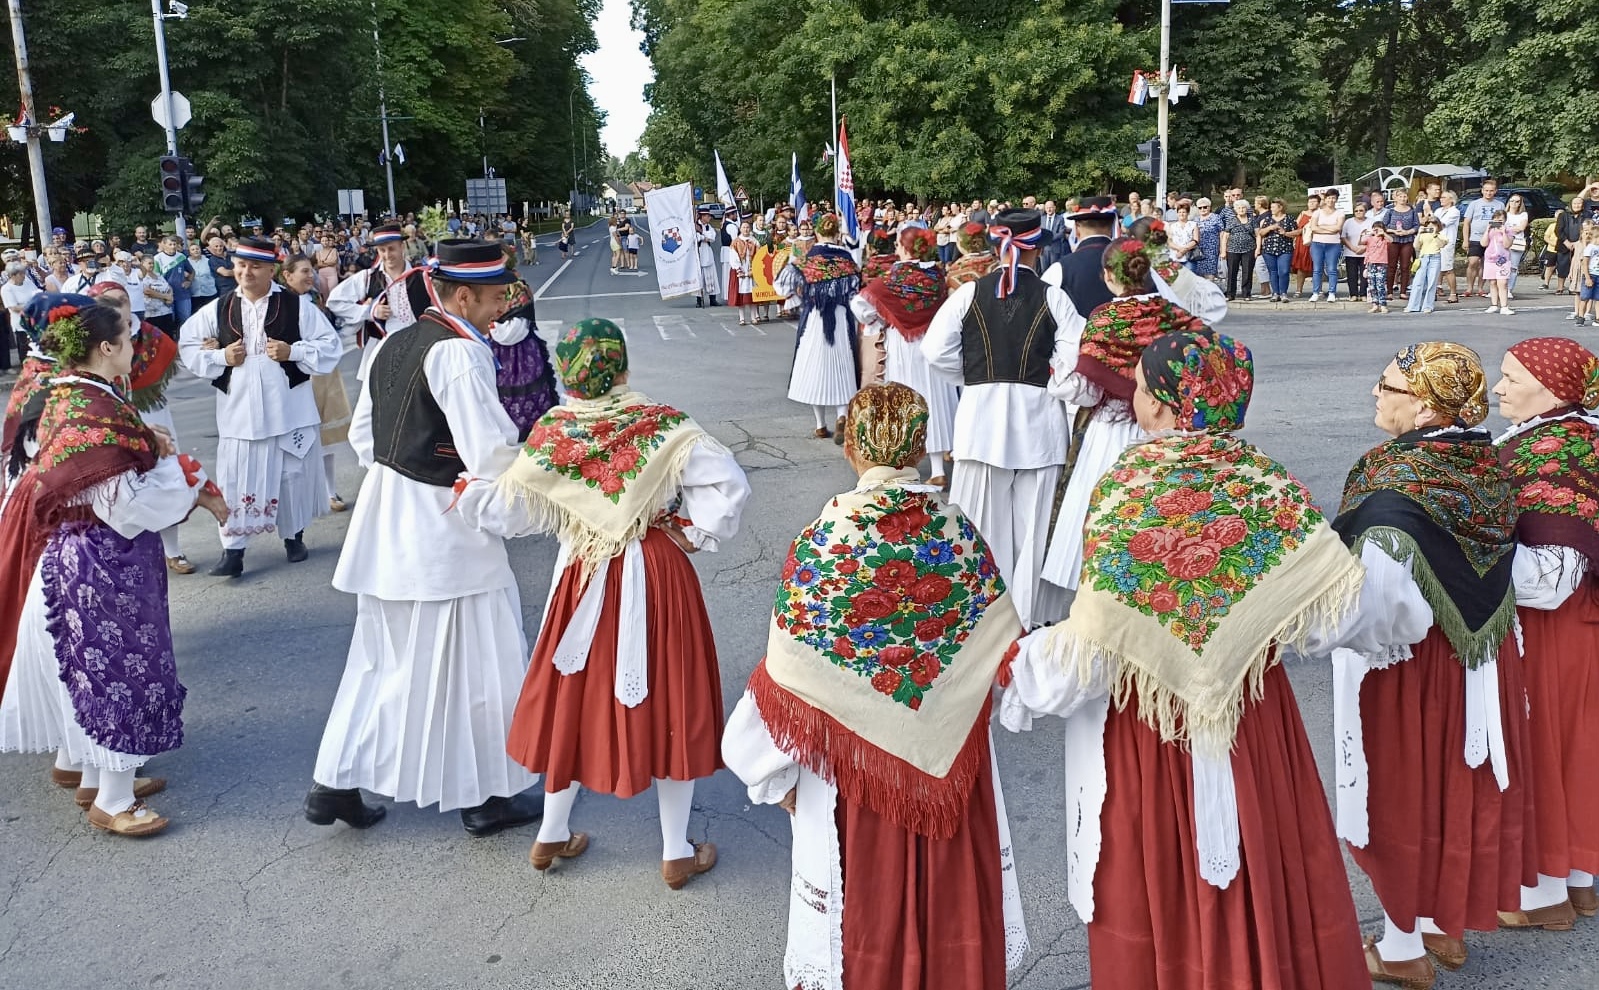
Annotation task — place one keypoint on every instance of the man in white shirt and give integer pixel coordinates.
(708, 243)
(1475, 217)
(366, 308)
(259, 346)
(118, 272)
(1011, 432)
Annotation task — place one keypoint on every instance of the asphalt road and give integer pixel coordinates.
(242, 892)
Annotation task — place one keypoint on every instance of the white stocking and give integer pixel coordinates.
(556, 826)
(64, 762)
(116, 791)
(327, 470)
(91, 777)
(676, 798)
(1398, 945)
(1550, 891)
(936, 465)
(169, 542)
(1579, 879)
(822, 420)
(1429, 927)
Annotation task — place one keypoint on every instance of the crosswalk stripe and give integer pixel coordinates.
(672, 327)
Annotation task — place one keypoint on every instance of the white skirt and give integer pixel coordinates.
(37, 714)
(425, 705)
(824, 374)
(1111, 430)
(271, 485)
(908, 367)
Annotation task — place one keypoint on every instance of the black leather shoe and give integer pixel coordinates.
(699, 302)
(500, 813)
(295, 548)
(231, 565)
(325, 805)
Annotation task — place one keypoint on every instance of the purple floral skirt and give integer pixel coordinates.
(526, 382)
(106, 607)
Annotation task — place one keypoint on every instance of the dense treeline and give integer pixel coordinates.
(955, 98)
(285, 102)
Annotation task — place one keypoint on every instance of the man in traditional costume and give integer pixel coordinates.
(623, 689)
(428, 690)
(1434, 787)
(95, 678)
(707, 245)
(898, 307)
(258, 345)
(1079, 273)
(365, 304)
(1199, 848)
(1101, 388)
(870, 726)
(1548, 389)
(1009, 338)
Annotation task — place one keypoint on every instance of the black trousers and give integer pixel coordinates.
(1240, 273)
(9, 339)
(1355, 275)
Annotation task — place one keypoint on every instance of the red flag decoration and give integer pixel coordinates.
(1138, 94)
(846, 185)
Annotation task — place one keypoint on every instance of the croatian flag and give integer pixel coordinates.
(846, 185)
(796, 196)
(1138, 94)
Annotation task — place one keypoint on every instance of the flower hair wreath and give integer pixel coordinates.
(69, 336)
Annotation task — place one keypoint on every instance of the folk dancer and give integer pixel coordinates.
(707, 245)
(826, 372)
(1010, 339)
(623, 689)
(333, 409)
(872, 729)
(259, 345)
(1079, 273)
(425, 704)
(364, 303)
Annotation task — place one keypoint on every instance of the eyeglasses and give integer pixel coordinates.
(1383, 386)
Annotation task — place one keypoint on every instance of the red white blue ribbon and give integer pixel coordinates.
(472, 271)
(256, 254)
(387, 237)
(1010, 248)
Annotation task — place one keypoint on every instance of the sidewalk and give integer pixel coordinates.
(1533, 300)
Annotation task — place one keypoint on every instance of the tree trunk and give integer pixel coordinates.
(1390, 78)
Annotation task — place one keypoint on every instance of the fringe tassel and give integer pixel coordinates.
(150, 396)
(1212, 733)
(1471, 647)
(866, 774)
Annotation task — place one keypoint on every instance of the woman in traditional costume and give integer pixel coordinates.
(740, 277)
(33, 379)
(1433, 786)
(623, 689)
(881, 254)
(977, 256)
(870, 726)
(94, 677)
(525, 380)
(825, 375)
(1199, 848)
(1173, 280)
(1102, 386)
(1548, 389)
(298, 275)
(899, 306)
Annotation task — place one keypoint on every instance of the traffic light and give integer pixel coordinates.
(1149, 162)
(172, 168)
(193, 189)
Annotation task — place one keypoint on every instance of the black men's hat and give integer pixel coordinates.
(478, 262)
(1093, 208)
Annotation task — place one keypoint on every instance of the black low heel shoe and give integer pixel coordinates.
(325, 805)
(500, 813)
(230, 566)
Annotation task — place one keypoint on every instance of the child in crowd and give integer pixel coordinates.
(1496, 265)
(1429, 258)
(1375, 241)
(1588, 290)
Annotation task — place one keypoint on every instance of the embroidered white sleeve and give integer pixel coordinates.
(715, 491)
(1391, 615)
(749, 752)
(134, 503)
(1044, 680)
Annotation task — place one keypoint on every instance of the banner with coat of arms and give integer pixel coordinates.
(672, 241)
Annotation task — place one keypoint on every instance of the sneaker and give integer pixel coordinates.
(1383, 310)
(1506, 311)
(1373, 308)
(1491, 309)
(1509, 294)
(1580, 322)
(1315, 297)
(1331, 298)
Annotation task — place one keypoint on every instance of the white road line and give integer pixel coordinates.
(734, 332)
(547, 282)
(673, 328)
(599, 295)
(553, 328)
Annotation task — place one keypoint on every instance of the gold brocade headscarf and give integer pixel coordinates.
(887, 425)
(1448, 378)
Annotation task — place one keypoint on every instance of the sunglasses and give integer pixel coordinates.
(1383, 386)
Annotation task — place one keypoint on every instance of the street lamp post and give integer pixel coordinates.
(572, 115)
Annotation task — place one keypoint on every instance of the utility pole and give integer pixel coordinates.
(1165, 103)
(572, 115)
(41, 197)
(383, 111)
(179, 226)
(483, 141)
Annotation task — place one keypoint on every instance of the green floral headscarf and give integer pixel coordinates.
(590, 357)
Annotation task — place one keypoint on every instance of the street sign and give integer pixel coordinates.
(352, 201)
(180, 109)
(486, 196)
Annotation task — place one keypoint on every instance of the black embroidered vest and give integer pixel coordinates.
(410, 433)
(282, 323)
(1010, 339)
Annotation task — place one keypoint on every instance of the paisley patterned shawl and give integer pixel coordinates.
(1554, 465)
(1439, 498)
(831, 279)
(907, 297)
(1201, 555)
(1118, 332)
(890, 625)
(969, 268)
(599, 472)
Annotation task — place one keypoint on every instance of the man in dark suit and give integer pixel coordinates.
(1081, 273)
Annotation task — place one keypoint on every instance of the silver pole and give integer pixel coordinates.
(41, 197)
(383, 112)
(836, 148)
(1165, 104)
(179, 227)
(572, 115)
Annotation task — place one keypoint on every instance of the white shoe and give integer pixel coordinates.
(1491, 309)
(1510, 295)
(1331, 298)
(1571, 316)
(1315, 297)
(1506, 311)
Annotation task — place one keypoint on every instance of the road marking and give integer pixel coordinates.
(673, 328)
(734, 332)
(599, 295)
(547, 282)
(554, 328)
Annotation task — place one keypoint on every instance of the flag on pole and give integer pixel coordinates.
(399, 153)
(796, 196)
(1171, 86)
(1138, 94)
(724, 189)
(846, 184)
(383, 156)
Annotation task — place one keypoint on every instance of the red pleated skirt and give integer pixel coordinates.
(920, 913)
(1562, 672)
(1287, 920)
(734, 296)
(1445, 842)
(571, 728)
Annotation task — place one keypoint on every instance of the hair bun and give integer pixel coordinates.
(827, 226)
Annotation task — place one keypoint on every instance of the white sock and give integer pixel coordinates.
(91, 777)
(676, 799)
(1579, 879)
(1550, 891)
(327, 471)
(822, 422)
(556, 826)
(1398, 945)
(169, 542)
(116, 791)
(64, 762)
(936, 464)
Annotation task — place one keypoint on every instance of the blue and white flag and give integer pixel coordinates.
(796, 195)
(399, 153)
(846, 185)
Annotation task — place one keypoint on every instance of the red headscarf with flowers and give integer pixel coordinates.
(1554, 460)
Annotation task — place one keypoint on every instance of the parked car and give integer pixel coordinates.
(1540, 202)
